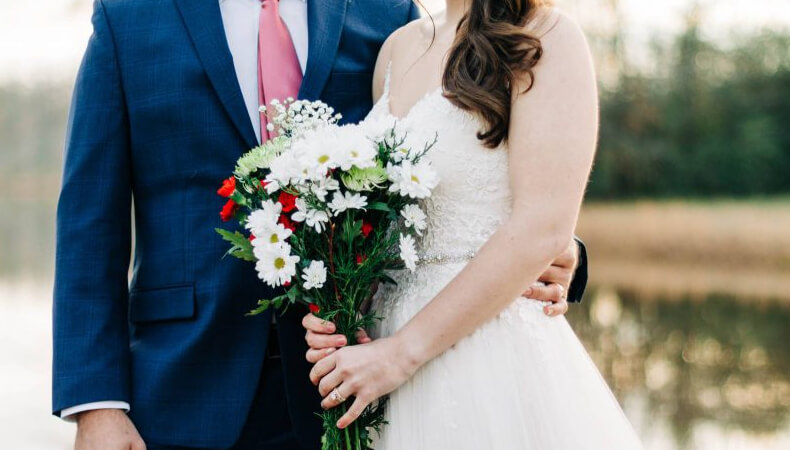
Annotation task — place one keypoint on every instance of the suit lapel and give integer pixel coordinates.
(325, 22)
(204, 24)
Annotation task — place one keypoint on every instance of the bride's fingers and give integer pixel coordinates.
(329, 382)
(321, 368)
(319, 341)
(317, 325)
(330, 401)
(315, 355)
(556, 309)
(548, 293)
(363, 338)
(353, 412)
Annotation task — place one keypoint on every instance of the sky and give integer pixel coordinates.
(45, 39)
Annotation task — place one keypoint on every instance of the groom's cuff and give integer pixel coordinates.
(69, 414)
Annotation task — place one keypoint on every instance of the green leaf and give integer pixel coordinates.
(352, 230)
(263, 305)
(241, 247)
(292, 294)
(239, 198)
(379, 206)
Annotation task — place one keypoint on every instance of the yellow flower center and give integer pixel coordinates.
(354, 153)
(415, 179)
(323, 158)
(279, 263)
(274, 239)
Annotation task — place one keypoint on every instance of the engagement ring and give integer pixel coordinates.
(336, 397)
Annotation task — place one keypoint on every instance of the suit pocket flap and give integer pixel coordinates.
(177, 302)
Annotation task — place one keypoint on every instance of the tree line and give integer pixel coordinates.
(703, 120)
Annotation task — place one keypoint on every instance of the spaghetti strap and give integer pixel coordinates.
(387, 76)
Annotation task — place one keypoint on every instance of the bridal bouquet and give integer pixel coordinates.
(329, 209)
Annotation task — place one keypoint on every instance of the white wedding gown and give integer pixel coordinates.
(522, 381)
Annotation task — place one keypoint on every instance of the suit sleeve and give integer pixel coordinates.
(90, 328)
(579, 283)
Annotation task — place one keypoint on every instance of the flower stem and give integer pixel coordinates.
(331, 239)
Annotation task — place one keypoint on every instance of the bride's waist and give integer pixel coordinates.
(455, 256)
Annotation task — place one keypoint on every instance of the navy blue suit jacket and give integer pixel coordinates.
(157, 121)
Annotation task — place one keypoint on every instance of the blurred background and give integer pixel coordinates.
(687, 217)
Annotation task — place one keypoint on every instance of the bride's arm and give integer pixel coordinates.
(552, 143)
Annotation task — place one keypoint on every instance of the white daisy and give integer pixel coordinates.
(399, 154)
(317, 152)
(272, 209)
(261, 220)
(412, 180)
(312, 217)
(271, 234)
(275, 266)
(408, 252)
(322, 186)
(354, 149)
(377, 127)
(344, 201)
(414, 218)
(283, 170)
(314, 275)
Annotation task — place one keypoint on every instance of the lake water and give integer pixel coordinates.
(708, 373)
(711, 374)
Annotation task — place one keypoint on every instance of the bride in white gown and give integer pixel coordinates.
(467, 366)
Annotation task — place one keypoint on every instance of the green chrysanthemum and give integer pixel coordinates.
(357, 179)
(260, 157)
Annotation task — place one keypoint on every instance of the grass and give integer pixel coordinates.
(681, 248)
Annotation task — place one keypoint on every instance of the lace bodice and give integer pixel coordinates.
(473, 196)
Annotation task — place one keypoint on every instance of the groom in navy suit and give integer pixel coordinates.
(163, 106)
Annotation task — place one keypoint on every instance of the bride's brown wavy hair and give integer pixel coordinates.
(490, 53)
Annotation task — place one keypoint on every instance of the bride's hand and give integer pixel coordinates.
(554, 284)
(366, 372)
(321, 339)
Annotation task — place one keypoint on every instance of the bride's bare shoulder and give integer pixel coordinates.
(398, 37)
(562, 40)
(555, 28)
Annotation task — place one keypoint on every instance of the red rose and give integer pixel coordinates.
(288, 201)
(228, 186)
(252, 237)
(287, 283)
(229, 210)
(314, 308)
(287, 223)
(264, 184)
(361, 259)
(367, 228)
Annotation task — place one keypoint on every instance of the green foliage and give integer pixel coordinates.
(241, 247)
(709, 121)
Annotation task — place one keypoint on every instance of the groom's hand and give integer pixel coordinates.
(554, 283)
(321, 339)
(107, 429)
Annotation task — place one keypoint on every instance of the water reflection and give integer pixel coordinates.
(710, 373)
(689, 364)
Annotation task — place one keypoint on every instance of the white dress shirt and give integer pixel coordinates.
(241, 21)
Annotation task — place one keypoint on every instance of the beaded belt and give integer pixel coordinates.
(439, 258)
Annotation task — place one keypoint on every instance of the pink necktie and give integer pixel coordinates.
(279, 72)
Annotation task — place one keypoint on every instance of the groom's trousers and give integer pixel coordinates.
(268, 426)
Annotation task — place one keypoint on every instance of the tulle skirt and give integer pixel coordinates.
(521, 381)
